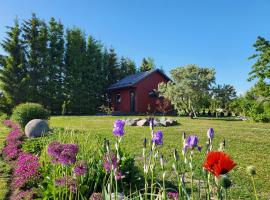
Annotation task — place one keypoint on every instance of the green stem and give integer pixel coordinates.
(254, 188)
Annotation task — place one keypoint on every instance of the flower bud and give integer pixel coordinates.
(224, 181)
(183, 136)
(210, 133)
(162, 162)
(144, 143)
(251, 170)
(176, 155)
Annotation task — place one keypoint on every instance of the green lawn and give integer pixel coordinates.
(246, 142)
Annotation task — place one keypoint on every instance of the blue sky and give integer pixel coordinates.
(211, 33)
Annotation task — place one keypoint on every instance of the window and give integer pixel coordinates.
(117, 98)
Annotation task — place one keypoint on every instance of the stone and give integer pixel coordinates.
(143, 122)
(171, 122)
(36, 128)
(131, 122)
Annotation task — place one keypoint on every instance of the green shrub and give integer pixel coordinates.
(34, 145)
(25, 112)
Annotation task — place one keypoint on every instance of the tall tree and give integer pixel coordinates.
(147, 64)
(261, 68)
(127, 67)
(35, 37)
(75, 56)
(190, 86)
(13, 73)
(111, 66)
(54, 86)
(223, 95)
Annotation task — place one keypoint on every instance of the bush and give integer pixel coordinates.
(25, 112)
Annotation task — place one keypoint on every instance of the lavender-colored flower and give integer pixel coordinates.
(23, 194)
(63, 153)
(118, 128)
(158, 138)
(96, 196)
(210, 133)
(26, 170)
(80, 169)
(192, 142)
(118, 175)
(110, 162)
(172, 195)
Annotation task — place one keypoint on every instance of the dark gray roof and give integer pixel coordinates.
(134, 78)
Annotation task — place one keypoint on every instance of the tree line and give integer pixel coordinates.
(62, 69)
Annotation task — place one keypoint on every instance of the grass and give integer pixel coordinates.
(246, 142)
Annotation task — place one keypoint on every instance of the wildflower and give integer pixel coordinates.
(12, 150)
(24, 194)
(96, 196)
(118, 128)
(118, 175)
(191, 142)
(218, 163)
(80, 169)
(63, 153)
(26, 170)
(158, 138)
(110, 162)
(210, 133)
(68, 182)
(172, 195)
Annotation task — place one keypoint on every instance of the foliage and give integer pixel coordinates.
(261, 68)
(190, 86)
(13, 75)
(25, 112)
(106, 109)
(34, 146)
(54, 66)
(163, 105)
(147, 64)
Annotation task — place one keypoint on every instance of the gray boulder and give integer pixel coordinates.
(131, 122)
(143, 122)
(36, 128)
(171, 122)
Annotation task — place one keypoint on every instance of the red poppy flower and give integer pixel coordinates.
(218, 163)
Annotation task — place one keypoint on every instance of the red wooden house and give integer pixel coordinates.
(136, 93)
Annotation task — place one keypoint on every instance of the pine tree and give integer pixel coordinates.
(147, 64)
(75, 57)
(127, 67)
(54, 86)
(35, 37)
(111, 67)
(13, 74)
(94, 75)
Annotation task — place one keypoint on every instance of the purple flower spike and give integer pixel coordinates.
(118, 128)
(172, 195)
(192, 142)
(158, 138)
(210, 133)
(80, 169)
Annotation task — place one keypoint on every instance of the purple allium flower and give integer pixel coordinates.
(24, 194)
(158, 138)
(14, 135)
(192, 142)
(68, 182)
(110, 162)
(118, 128)
(26, 170)
(172, 195)
(12, 150)
(80, 169)
(119, 175)
(63, 153)
(210, 133)
(96, 196)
